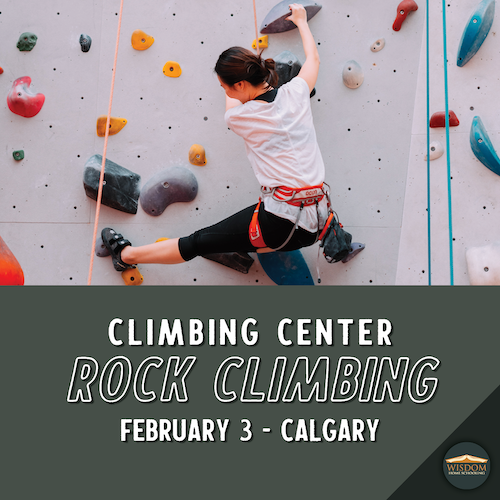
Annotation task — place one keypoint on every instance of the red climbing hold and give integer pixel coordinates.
(1, 70)
(10, 270)
(404, 8)
(22, 101)
(438, 119)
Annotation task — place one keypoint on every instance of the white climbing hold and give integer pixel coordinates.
(352, 75)
(437, 150)
(378, 45)
(483, 264)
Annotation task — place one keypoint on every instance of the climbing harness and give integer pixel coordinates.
(108, 122)
(297, 197)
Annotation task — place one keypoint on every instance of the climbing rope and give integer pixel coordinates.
(256, 29)
(428, 152)
(108, 122)
(448, 163)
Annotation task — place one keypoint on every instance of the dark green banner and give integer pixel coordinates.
(237, 392)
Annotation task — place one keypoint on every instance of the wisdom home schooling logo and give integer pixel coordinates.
(466, 466)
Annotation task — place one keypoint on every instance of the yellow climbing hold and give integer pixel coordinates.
(115, 125)
(132, 277)
(263, 42)
(197, 155)
(141, 40)
(172, 69)
(161, 239)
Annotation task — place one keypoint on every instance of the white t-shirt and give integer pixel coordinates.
(281, 145)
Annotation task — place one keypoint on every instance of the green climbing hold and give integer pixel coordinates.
(27, 41)
(18, 155)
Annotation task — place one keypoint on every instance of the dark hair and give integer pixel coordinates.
(237, 64)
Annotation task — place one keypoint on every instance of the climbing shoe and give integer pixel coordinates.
(115, 243)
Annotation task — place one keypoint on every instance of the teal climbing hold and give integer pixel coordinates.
(476, 31)
(286, 268)
(26, 42)
(482, 147)
(18, 155)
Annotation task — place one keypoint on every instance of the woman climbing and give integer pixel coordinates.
(280, 140)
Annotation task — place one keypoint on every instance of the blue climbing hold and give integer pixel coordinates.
(482, 147)
(286, 268)
(476, 31)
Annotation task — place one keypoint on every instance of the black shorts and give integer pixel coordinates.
(231, 235)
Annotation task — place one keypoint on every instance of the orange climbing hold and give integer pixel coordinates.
(404, 8)
(132, 277)
(161, 239)
(197, 155)
(1, 70)
(11, 272)
(263, 42)
(115, 125)
(141, 40)
(172, 69)
(438, 119)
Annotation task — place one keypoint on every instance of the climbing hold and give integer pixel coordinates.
(355, 249)
(161, 239)
(85, 42)
(121, 186)
(483, 264)
(482, 147)
(287, 67)
(275, 21)
(436, 150)
(197, 155)
(239, 261)
(378, 45)
(26, 42)
(141, 41)
(100, 248)
(115, 125)
(172, 69)
(22, 101)
(132, 276)
(404, 8)
(11, 272)
(166, 187)
(352, 75)
(438, 119)
(476, 31)
(286, 268)
(1, 70)
(263, 42)
(18, 155)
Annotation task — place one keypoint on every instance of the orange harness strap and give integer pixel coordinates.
(254, 231)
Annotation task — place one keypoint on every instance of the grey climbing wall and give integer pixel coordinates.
(369, 136)
(473, 91)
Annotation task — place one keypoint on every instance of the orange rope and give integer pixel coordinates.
(256, 29)
(106, 135)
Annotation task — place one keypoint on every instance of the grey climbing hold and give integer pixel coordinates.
(26, 41)
(275, 21)
(169, 186)
(121, 186)
(239, 261)
(288, 67)
(352, 75)
(378, 45)
(100, 248)
(18, 155)
(85, 42)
